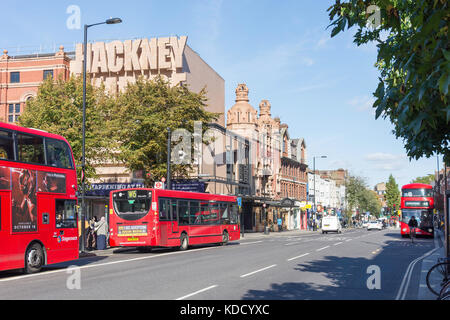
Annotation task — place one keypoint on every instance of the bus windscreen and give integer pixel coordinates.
(133, 204)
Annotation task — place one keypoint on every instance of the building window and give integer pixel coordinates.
(13, 112)
(14, 77)
(48, 73)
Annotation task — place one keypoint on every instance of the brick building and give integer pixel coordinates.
(278, 165)
(21, 76)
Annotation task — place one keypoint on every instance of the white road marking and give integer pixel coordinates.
(322, 248)
(297, 257)
(291, 243)
(104, 264)
(197, 292)
(337, 243)
(259, 270)
(402, 291)
(241, 243)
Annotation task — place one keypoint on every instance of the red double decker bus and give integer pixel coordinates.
(38, 183)
(417, 200)
(147, 218)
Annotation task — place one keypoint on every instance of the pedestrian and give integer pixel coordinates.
(92, 237)
(280, 222)
(101, 228)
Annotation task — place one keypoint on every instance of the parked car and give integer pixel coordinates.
(374, 225)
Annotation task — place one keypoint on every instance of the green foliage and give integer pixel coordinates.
(130, 127)
(392, 193)
(414, 63)
(142, 115)
(58, 108)
(425, 179)
(359, 196)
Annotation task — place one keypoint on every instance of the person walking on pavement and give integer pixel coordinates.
(280, 222)
(101, 229)
(91, 239)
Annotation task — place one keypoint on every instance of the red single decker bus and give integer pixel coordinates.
(417, 200)
(38, 184)
(147, 218)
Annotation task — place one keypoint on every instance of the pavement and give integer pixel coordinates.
(424, 293)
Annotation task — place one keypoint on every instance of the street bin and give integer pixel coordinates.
(266, 230)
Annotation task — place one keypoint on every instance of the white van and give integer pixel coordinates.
(331, 224)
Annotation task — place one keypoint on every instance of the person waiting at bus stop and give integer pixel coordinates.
(101, 228)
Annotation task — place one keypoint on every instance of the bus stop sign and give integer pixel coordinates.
(239, 201)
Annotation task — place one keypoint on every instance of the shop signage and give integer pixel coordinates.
(103, 189)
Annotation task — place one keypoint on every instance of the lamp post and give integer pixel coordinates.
(83, 160)
(315, 191)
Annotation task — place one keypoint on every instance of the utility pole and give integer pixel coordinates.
(169, 142)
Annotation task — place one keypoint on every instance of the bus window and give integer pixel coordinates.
(65, 211)
(30, 148)
(6, 145)
(58, 154)
(194, 213)
(224, 215)
(204, 212)
(234, 216)
(214, 213)
(173, 211)
(183, 212)
(164, 213)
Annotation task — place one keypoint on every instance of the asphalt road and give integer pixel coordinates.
(357, 264)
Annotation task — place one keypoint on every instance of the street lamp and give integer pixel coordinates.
(315, 191)
(83, 161)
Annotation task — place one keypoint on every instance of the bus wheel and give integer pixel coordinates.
(34, 258)
(225, 238)
(184, 242)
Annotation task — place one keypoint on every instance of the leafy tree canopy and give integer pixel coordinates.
(58, 108)
(425, 179)
(413, 59)
(142, 115)
(392, 193)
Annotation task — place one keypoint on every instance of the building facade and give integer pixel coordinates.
(277, 164)
(21, 76)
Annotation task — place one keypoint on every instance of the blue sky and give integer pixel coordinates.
(321, 87)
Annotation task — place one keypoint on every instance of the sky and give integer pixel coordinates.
(320, 86)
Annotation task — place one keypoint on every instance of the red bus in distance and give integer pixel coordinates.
(38, 184)
(147, 218)
(417, 200)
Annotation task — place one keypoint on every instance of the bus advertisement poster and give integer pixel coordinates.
(24, 211)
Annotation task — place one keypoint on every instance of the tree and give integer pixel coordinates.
(144, 111)
(392, 194)
(413, 59)
(425, 179)
(58, 108)
(359, 196)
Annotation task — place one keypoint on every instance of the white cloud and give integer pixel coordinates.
(386, 161)
(363, 103)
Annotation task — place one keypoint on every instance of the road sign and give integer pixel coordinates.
(159, 185)
(239, 201)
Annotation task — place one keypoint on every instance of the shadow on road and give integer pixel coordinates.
(335, 277)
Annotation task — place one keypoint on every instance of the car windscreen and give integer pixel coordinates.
(132, 205)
